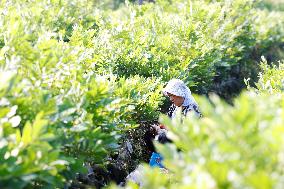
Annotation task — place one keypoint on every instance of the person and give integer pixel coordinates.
(180, 96)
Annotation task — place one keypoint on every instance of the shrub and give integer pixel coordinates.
(230, 147)
(271, 78)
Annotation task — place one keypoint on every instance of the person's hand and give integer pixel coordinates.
(163, 126)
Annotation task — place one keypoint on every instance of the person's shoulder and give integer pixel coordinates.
(191, 107)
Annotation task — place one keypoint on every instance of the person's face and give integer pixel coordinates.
(177, 100)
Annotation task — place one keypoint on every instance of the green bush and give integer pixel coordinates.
(82, 125)
(26, 152)
(235, 146)
(271, 78)
(231, 146)
(76, 75)
(192, 40)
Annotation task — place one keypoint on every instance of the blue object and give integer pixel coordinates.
(156, 160)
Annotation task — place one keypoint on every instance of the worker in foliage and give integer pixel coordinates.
(180, 96)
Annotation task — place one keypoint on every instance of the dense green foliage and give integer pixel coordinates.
(231, 146)
(81, 125)
(271, 78)
(76, 74)
(239, 146)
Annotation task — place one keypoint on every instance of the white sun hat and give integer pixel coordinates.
(178, 88)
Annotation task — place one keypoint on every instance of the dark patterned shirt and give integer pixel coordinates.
(185, 109)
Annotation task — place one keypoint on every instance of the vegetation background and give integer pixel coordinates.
(80, 79)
